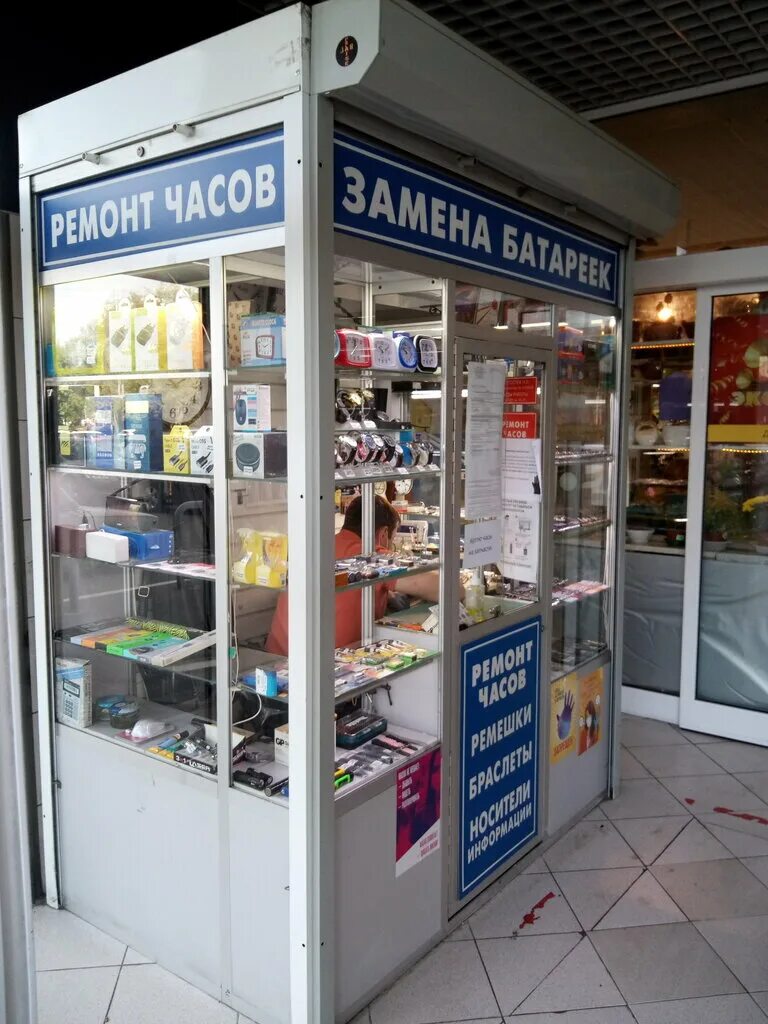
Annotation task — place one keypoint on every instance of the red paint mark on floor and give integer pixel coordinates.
(531, 916)
(741, 814)
(689, 800)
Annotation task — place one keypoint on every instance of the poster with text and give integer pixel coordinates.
(482, 439)
(521, 468)
(520, 542)
(499, 750)
(562, 726)
(590, 710)
(418, 811)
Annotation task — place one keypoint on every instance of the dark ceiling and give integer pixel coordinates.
(587, 53)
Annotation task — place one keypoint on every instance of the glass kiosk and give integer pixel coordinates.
(325, 495)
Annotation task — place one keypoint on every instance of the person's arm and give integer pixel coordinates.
(426, 587)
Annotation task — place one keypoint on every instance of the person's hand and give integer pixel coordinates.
(564, 718)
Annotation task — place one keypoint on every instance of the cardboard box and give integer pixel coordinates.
(176, 449)
(262, 339)
(260, 456)
(143, 433)
(120, 339)
(281, 744)
(184, 333)
(201, 452)
(251, 407)
(74, 692)
(152, 546)
(100, 438)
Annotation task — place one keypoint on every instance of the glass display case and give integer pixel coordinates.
(128, 416)
(584, 455)
(660, 418)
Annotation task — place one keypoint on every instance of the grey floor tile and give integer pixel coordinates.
(449, 984)
(595, 814)
(668, 961)
(642, 732)
(146, 994)
(645, 903)
(699, 737)
(741, 844)
(536, 867)
(608, 1015)
(363, 1017)
(739, 1009)
(133, 957)
(64, 941)
(709, 791)
(739, 757)
(670, 762)
(757, 782)
(590, 844)
(591, 894)
(75, 997)
(580, 982)
(642, 798)
(460, 934)
(530, 905)
(743, 944)
(631, 767)
(695, 843)
(648, 837)
(517, 966)
(761, 998)
(713, 889)
(758, 866)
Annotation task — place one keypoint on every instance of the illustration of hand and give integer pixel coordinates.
(564, 719)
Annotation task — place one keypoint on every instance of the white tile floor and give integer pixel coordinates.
(659, 916)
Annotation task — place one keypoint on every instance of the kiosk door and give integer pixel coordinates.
(501, 530)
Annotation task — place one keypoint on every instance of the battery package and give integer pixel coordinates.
(176, 449)
(281, 744)
(143, 433)
(358, 728)
(74, 692)
(151, 546)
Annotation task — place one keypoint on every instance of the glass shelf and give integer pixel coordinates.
(417, 571)
(109, 378)
(385, 679)
(123, 473)
(586, 458)
(404, 473)
(189, 570)
(572, 528)
(597, 588)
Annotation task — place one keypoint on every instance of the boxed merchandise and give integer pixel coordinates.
(262, 339)
(281, 744)
(260, 456)
(120, 339)
(106, 547)
(262, 680)
(71, 540)
(74, 692)
(184, 333)
(201, 452)
(100, 436)
(263, 559)
(252, 407)
(151, 546)
(143, 433)
(149, 337)
(71, 444)
(176, 449)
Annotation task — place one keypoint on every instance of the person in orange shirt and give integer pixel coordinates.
(349, 604)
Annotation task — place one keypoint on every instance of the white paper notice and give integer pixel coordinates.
(522, 469)
(482, 543)
(520, 551)
(482, 439)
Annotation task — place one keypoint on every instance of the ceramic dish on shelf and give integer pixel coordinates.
(676, 435)
(639, 536)
(646, 433)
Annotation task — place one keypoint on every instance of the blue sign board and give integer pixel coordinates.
(499, 750)
(386, 198)
(223, 191)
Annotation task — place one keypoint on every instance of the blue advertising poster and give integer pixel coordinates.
(499, 750)
(387, 198)
(222, 191)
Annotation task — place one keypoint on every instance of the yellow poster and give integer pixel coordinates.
(562, 729)
(590, 710)
(743, 433)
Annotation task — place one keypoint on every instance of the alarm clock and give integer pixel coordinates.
(383, 352)
(403, 487)
(406, 351)
(426, 352)
(354, 349)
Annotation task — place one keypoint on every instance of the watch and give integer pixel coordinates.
(383, 352)
(346, 449)
(406, 351)
(354, 349)
(367, 449)
(428, 358)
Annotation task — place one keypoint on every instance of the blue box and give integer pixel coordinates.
(143, 433)
(262, 339)
(154, 546)
(104, 416)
